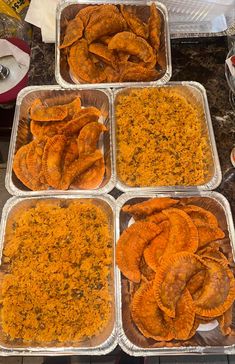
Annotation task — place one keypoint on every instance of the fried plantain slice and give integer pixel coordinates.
(34, 159)
(46, 129)
(147, 315)
(92, 178)
(77, 167)
(184, 317)
(21, 170)
(155, 24)
(196, 282)
(208, 233)
(82, 68)
(225, 321)
(134, 45)
(172, 277)
(135, 24)
(218, 291)
(183, 235)
(85, 13)
(200, 215)
(150, 206)
(73, 32)
(157, 246)
(131, 245)
(89, 136)
(104, 22)
(52, 160)
(38, 112)
(83, 117)
(103, 53)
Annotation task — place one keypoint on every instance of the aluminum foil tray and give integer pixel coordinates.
(67, 11)
(103, 343)
(210, 341)
(21, 133)
(195, 93)
(200, 18)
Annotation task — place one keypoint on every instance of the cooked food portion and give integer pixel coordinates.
(57, 284)
(110, 43)
(161, 139)
(176, 283)
(64, 153)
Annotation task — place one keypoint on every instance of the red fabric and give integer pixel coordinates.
(11, 95)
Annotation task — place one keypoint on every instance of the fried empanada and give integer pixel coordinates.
(196, 282)
(135, 24)
(74, 108)
(147, 315)
(21, 170)
(39, 112)
(218, 291)
(104, 23)
(112, 75)
(157, 246)
(103, 53)
(184, 317)
(132, 44)
(225, 321)
(89, 136)
(208, 233)
(131, 245)
(73, 32)
(147, 274)
(172, 277)
(70, 153)
(156, 218)
(136, 72)
(183, 234)
(150, 206)
(43, 129)
(77, 167)
(85, 13)
(200, 215)
(34, 159)
(106, 39)
(81, 65)
(92, 178)
(83, 117)
(154, 27)
(213, 253)
(52, 160)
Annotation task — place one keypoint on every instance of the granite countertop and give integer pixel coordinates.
(198, 59)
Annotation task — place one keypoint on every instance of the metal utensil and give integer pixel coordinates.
(4, 72)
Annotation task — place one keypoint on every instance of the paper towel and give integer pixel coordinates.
(43, 14)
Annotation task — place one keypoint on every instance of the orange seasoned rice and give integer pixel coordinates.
(58, 282)
(160, 139)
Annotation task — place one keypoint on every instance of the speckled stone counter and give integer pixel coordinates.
(199, 60)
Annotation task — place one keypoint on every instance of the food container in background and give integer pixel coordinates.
(21, 134)
(208, 339)
(106, 340)
(195, 94)
(67, 11)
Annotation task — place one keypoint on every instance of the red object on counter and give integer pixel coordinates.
(10, 96)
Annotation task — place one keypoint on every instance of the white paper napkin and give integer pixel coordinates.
(42, 13)
(9, 49)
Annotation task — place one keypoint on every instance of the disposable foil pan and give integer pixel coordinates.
(195, 93)
(103, 343)
(21, 134)
(67, 11)
(204, 342)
